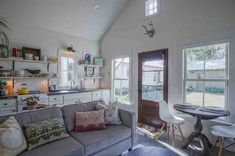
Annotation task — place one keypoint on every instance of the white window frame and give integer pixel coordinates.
(73, 56)
(147, 10)
(225, 80)
(112, 79)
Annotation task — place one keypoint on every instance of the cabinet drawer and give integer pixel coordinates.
(84, 96)
(70, 96)
(55, 98)
(56, 103)
(96, 95)
(8, 103)
(69, 102)
(5, 111)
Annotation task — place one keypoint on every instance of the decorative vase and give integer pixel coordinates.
(4, 92)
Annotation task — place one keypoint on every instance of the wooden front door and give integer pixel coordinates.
(152, 85)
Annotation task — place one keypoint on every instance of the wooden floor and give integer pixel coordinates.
(144, 141)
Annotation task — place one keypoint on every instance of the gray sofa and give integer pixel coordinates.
(108, 142)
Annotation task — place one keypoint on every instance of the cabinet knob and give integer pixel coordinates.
(54, 98)
(5, 104)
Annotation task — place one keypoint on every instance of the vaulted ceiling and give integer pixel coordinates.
(88, 19)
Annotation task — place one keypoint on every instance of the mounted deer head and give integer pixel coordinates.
(150, 32)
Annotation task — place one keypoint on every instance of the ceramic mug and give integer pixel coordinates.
(36, 58)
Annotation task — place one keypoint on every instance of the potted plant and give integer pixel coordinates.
(32, 101)
(4, 91)
(4, 42)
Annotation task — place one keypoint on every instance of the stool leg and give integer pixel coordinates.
(213, 146)
(181, 132)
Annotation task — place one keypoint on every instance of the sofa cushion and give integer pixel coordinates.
(111, 115)
(57, 148)
(42, 132)
(12, 141)
(33, 116)
(94, 141)
(92, 120)
(70, 110)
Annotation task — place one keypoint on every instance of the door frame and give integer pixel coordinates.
(149, 55)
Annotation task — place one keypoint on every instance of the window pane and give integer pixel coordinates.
(121, 67)
(71, 64)
(64, 78)
(194, 92)
(215, 61)
(151, 7)
(64, 62)
(195, 63)
(121, 91)
(215, 94)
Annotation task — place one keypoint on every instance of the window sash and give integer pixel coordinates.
(151, 7)
(120, 79)
(67, 70)
(204, 80)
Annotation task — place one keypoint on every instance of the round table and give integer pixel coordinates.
(200, 113)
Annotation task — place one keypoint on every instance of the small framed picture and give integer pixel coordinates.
(99, 61)
(90, 71)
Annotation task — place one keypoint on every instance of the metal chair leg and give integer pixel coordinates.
(221, 146)
(173, 135)
(181, 133)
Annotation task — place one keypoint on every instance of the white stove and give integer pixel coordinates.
(22, 106)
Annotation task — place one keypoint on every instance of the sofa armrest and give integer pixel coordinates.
(129, 119)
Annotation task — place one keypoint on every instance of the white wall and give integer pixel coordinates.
(180, 23)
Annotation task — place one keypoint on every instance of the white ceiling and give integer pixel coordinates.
(73, 17)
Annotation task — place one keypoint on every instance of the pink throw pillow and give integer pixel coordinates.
(87, 121)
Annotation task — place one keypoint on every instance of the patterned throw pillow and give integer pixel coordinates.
(44, 132)
(12, 141)
(92, 120)
(111, 115)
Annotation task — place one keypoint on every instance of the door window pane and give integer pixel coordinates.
(121, 91)
(152, 80)
(194, 92)
(215, 94)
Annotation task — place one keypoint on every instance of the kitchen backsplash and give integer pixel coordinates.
(32, 85)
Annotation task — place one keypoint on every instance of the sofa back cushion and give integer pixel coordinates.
(69, 112)
(34, 116)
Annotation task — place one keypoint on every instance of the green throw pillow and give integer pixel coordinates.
(44, 132)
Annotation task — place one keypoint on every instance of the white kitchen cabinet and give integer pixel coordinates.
(77, 98)
(84, 97)
(56, 100)
(96, 95)
(8, 106)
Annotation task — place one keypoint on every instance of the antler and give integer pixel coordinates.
(145, 28)
(151, 24)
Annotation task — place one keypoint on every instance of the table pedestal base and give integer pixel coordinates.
(204, 142)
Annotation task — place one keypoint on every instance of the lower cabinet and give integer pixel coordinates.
(8, 106)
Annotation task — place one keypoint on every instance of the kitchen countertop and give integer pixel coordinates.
(11, 96)
(74, 91)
